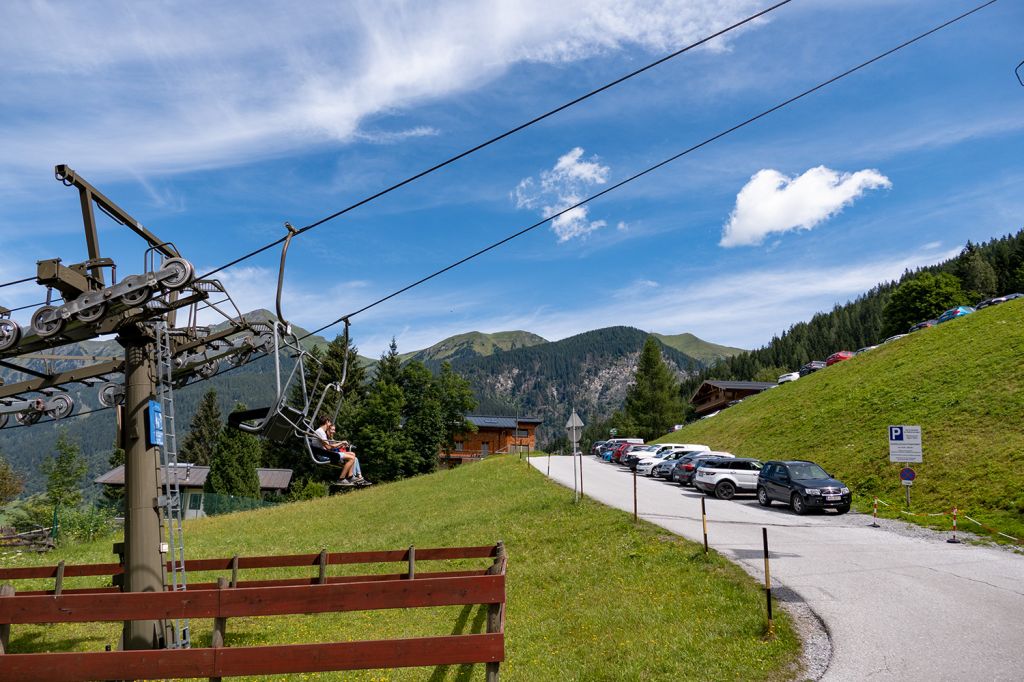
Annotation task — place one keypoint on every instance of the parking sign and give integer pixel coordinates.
(905, 443)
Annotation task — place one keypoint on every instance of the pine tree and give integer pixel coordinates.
(456, 402)
(204, 431)
(64, 473)
(11, 484)
(385, 452)
(234, 462)
(653, 403)
(424, 422)
(389, 369)
(112, 494)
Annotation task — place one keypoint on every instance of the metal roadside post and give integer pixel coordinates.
(575, 428)
(768, 584)
(635, 515)
(704, 521)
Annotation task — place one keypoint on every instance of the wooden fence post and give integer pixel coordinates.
(322, 578)
(494, 610)
(58, 584)
(412, 562)
(5, 628)
(219, 627)
(234, 571)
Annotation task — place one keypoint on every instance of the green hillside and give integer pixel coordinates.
(698, 348)
(579, 604)
(963, 382)
(473, 344)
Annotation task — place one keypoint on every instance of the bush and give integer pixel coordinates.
(307, 490)
(87, 524)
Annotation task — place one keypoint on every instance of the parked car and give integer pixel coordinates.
(923, 325)
(997, 300)
(838, 356)
(954, 313)
(803, 485)
(812, 366)
(637, 453)
(897, 337)
(790, 376)
(726, 477)
(620, 450)
(865, 349)
(663, 469)
(682, 472)
(645, 467)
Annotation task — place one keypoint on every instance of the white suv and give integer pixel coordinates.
(728, 477)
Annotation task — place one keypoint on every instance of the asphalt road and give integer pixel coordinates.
(898, 605)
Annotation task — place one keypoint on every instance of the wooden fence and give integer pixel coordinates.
(233, 598)
(37, 540)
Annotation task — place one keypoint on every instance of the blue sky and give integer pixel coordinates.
(213, 123)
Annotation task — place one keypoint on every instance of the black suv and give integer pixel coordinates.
(803, 485)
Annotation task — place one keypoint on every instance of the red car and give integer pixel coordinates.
(618, 452)
(838, 357)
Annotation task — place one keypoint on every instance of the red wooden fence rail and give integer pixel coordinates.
(260, 562)
(265, 598)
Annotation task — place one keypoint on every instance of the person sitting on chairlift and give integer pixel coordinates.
(348, 459)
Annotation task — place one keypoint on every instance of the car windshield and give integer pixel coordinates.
(806, 472)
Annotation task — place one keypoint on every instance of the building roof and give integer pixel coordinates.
(194, 476)
(496, 422)
(741, 385)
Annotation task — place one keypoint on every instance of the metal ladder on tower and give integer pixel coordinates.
(177, 635)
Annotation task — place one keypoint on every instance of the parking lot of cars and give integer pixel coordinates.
(800, 484)
(839, 356)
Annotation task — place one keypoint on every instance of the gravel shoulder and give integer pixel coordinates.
(891, 603)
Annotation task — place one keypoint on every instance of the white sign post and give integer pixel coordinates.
(905, 444)
(575, 428)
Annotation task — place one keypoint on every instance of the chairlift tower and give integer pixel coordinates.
(134, 309)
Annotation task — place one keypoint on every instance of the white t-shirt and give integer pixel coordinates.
(322, 435)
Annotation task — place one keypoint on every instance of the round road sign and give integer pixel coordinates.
(907, 474)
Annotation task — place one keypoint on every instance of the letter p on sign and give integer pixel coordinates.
(895, 433)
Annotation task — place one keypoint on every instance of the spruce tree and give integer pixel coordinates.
(112, 494)
(424, 419)
(204, 431)
(234, 462)
(389, 369)
(456, 402)
(11, 484)
(64, 473)
(653, 403)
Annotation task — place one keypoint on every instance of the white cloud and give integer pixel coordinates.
(152, 87)
(565, 184)
(772, 203)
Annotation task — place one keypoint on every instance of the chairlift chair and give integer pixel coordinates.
(283, 421)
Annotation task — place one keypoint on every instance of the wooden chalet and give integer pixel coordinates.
(714, 395)
(494, 434)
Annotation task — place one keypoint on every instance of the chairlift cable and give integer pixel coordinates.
(17, 281)
(651, 169)
(508, 133)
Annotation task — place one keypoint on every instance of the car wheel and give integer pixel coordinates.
(798, 505)
(762, 497)
(725, 490)
(842, 510)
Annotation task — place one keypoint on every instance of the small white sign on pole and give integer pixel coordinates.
(905, 444)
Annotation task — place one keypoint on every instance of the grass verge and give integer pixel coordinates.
(962, 382)
(591, 595)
